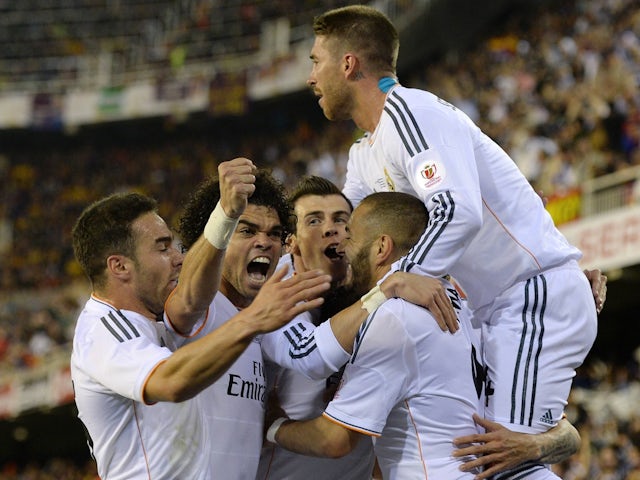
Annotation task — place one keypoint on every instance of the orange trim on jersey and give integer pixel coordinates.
(512, 237)
(350, 427)
(95, 296)
(413, 422)
(144, 450)
(144, 384)
(173, 327)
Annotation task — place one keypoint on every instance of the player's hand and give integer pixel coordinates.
(237, 184)
(598, 283)
(279, 301)
(424, 291)
(497, 450)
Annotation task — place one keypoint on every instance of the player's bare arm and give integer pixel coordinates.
(318, 437)
(197, 365)
(202, 266)
(501, 449)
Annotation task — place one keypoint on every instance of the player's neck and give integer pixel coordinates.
(368, 106)
(233, 295)
(381, 271)
(123, 301)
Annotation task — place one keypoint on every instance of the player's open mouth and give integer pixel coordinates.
(258, 268)
(332, 253)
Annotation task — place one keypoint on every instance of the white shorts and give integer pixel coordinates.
(535, 335)
(529, 471)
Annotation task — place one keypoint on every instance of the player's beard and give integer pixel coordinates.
(337, 103)
(361, 271)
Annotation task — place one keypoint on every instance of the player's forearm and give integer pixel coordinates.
(198, 284)
(317, 437)
(559, 443)
(195, 366)
(345, 325)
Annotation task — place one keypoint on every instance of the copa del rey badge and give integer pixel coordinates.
(431, 174)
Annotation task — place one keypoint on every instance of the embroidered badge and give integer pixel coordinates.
(431, 174)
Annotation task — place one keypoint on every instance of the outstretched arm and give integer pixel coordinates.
(195, 366)
(202, 265)
(501, 449)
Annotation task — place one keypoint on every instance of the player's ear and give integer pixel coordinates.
(291, 244)
(118, 266)
(351, 66)
(385, 247)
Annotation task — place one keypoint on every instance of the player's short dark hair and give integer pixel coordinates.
(313, 185)
(401, 216)
(269, 192)
(104, 229)
(365, 30)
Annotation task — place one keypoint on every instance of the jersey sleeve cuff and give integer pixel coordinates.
(329, 347)
(195, 330)
(350, 423)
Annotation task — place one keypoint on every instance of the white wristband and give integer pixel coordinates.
(219, 228)
(373, 299)
(273, 429)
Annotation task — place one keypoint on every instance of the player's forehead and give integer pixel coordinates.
(264, 218)
(322, 47)
(321, 204)
(356, 221)
(149, 228)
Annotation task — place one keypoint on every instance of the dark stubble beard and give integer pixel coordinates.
(340, 105)
(362, 278)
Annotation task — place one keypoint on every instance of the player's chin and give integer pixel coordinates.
(326, 109)
(254, 284)
(338, 271)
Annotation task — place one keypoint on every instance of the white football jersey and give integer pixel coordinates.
(412, 386)
(302, 398)
(234, 404)
(114, 353)
(484, 215)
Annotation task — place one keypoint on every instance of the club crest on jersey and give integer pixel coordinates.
(431, 174)
(390, 184)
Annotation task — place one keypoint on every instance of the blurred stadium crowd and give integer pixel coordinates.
(63, 42)
(559, 90)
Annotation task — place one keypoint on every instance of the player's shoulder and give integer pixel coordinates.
(402, 311)
(94, 315)
(416, 105)
(392, 323)
(405, 98)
